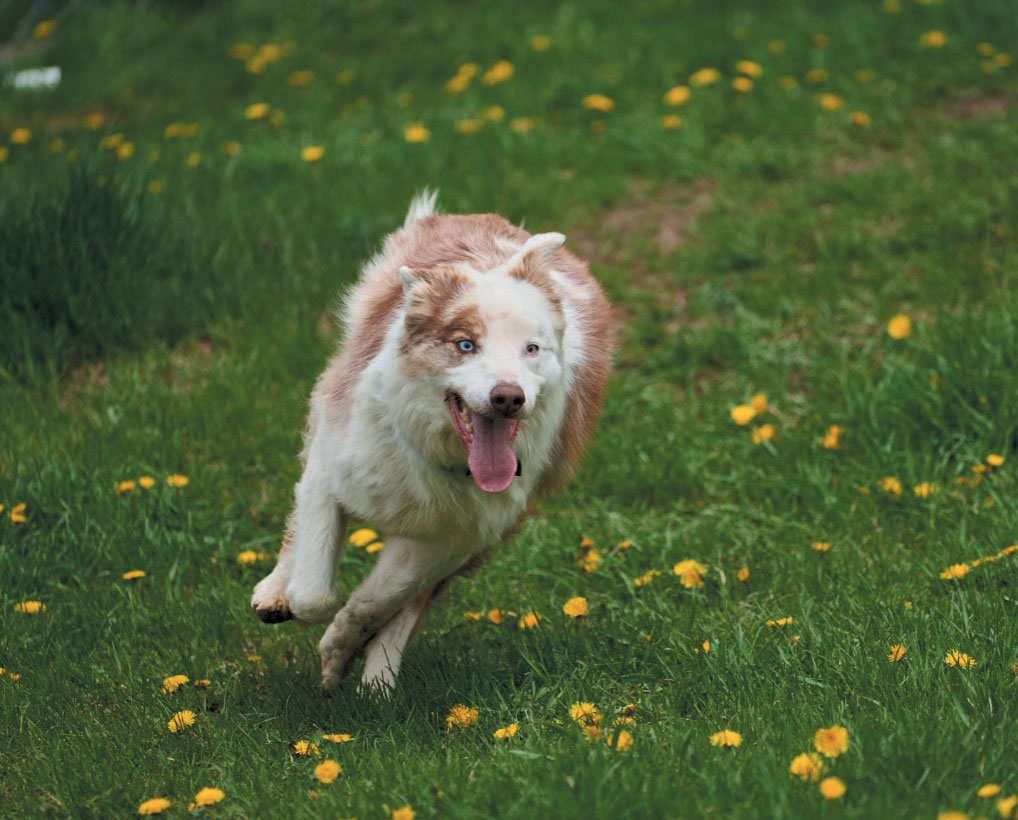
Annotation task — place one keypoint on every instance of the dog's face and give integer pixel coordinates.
(485, 346)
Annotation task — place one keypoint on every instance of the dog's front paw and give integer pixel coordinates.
(313, 606)
(269, 601)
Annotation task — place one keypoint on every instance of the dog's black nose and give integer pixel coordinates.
(506, 398)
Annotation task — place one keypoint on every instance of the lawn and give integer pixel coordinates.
(797, 513)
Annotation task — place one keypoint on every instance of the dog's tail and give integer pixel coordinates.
(421, 206)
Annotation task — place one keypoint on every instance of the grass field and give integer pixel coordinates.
(820, 242)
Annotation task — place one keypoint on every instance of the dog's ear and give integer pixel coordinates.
(532, 263)
(411, 277)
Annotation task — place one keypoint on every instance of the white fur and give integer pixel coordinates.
(395, 459)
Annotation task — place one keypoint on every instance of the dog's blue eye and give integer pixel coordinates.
(532, 350)
(465, 346)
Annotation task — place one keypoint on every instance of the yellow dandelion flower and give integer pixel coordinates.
(788, 81)
(897, 652)
(146, 482)
(231, 148)
(57, 145)
(180, 720)
(270, 52)
(690, 573)
(749, 68)
(832, 787)
(30, 607)
(622, 741)
(327, 771)
(831, 741)
(994, 460)
(671, 122)
(189, 130)
(925, 489)
(506, 732)
(807, 766)
(461, 715)
(44, 28)
(177, 480)
(765, 432)
(899, 326)
(778, 622)
(494, 113)
(154, 805)
(305, 748)
(830, 102)
(21, 136)
(4, 153)
(892, 6)
(300, 78)
(256, 111)
(15, 678)
(312, 153)
(831, 437)
(458, 83)
(124, 486)
(499, 72)
(759, 402)
(1003, 60)
(624, 545)
(591, 733)
(404, 813)
(1006, 806)
(416, 132)
(495, 616)
(362, 537)
(952, 815)
(742, 574)
(249, 557)
(375, 546)
(704, 76)
(521, 125)
(890, 485)
(94, 120)
(677, 95)
(174, 682)
(17, 514)
(208, 796)
(742, 414)
(727, 739)
(585, 713)
(529, 620)
(589, 561)
(860, 118)
(959, 659)
(955, 571)
(341, 737)
(822, 546)
(742, 84)
(472, 616)
(540, 42)
(470, 125)
(988, 790)
(586, 543)
(203, 683)
(816, 76)
(933, 38)
(599, 102)
(820, 40)
(646, 578)
(575, 607)
(171, 131)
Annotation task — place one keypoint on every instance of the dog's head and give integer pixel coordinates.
(486, 344)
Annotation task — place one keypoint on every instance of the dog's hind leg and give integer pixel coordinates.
(384, 652)
(406, 568)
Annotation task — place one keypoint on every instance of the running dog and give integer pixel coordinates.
(470, 378)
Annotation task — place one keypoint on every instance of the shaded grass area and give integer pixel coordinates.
(760, 247)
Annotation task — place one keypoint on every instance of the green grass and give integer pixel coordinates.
(760, 247)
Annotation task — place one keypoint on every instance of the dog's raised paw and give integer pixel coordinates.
(273, 615)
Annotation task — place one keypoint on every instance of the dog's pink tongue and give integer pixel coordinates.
(492, 461)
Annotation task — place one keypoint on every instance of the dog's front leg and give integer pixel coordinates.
(384, 652)
(406, 568)
(306, 571)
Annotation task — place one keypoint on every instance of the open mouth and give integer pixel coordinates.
(489, 444)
